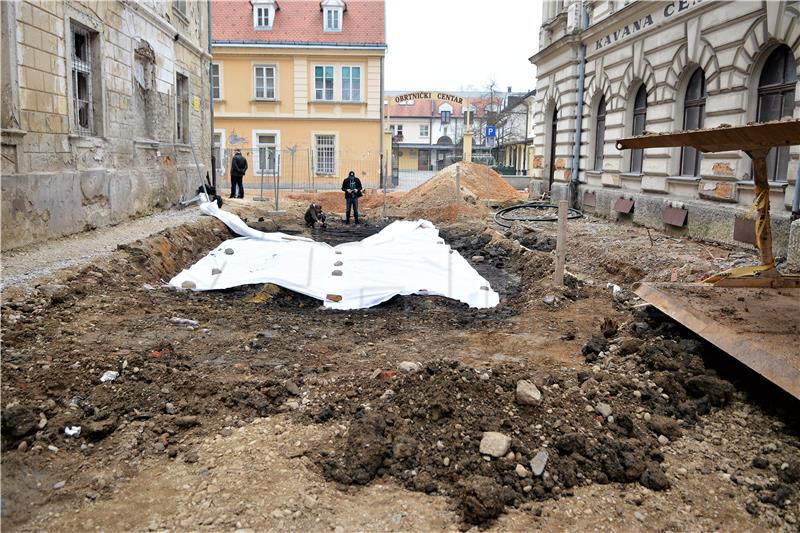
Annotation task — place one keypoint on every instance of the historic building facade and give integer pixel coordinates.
(297, 87)
(657, 67)
(102, 104)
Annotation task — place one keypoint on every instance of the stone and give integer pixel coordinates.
(603, 409)
(539, 462)
(191, 457)
(521, 471)
(23, 446)
(446, 461)
(527, 393)
(760, 462)
(170, 409)
(409, 366)
(228, 251)
(478, 259)
(662, 440)
(494, 444)
(550, 299)
(59, 485)
(292, 388)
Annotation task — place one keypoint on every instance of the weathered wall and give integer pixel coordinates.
(58, 180)
(660, 44)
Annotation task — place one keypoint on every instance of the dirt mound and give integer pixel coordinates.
(333, 201)
(436, 198)
(491, 438)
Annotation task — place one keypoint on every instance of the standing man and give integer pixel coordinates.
(352, 190)
(238, 168)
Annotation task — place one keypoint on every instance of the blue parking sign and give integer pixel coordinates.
(491, 131)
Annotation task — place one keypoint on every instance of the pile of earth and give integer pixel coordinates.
(491, 438)
(436, 198)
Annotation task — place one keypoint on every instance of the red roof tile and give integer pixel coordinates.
(300, 22)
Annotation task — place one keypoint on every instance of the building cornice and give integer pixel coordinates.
(298, 44)
(553, 48)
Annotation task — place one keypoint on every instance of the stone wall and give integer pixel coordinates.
(59, 178)
(659, 45)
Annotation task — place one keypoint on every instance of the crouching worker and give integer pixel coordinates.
(352, 191)
(315, 215)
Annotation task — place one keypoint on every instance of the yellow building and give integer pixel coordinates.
(297, 86)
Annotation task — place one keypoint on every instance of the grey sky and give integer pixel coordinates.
(461, 44)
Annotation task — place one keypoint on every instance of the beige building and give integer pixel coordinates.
(658, 67)
(297, 87)
(102, 103)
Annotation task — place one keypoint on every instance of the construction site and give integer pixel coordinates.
(134, 401)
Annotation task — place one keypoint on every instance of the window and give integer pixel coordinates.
(600, 134)
(180, 7)
(400, 129)
(351, 84)
(694, 108)
(261, 16)
(181, 108)
(333, 19)
(323, 83)
(446, 117)
(264, 156)
(265, 82)
(325, 154)
(83, 80)
(639, 119)
(424, 130)
(216, 86)
(775, 101)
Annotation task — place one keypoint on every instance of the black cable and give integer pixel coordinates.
(549, 214)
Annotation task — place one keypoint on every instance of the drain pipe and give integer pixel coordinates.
(214, 156)
(796, 198)
(576, 157)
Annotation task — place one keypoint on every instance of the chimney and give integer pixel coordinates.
(509, 89)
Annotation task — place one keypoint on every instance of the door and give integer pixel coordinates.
(424, 161)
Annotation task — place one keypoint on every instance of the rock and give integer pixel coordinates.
(388, 393)
(55, 292)
(570, 443)
(629, 345)
(521, 471)
(494, 444)
(228, 251)
(59, 485)
(187, 421)
(539, 462)
(188, 284)
(292, 405)
(603, 409)
(662, 440)
(170, 409)
(760, 462)
(481, 499)
(18, 421)
(191, 457)
(654, 478)
(23, 447)
(292, 388)
(478, 259)
(595, 345)
(109, 375)
(409, 366)
(527, 393)
(662, 425)
(446, 461)
(99, 429)
(216, 271)
(550, 300)
(719, 392)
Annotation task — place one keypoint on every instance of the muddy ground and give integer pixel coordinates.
(271, 413)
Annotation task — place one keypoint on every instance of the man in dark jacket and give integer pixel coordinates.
(352, 190)
(238, 169)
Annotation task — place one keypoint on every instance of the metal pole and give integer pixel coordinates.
(561, 250)
(275, 177)
(383, 182)
(292, 185)
(458, 184)
(262, 165)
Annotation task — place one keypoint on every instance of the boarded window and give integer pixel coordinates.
(181, 108)
(600, 134)
(694, 110)
(639, 120)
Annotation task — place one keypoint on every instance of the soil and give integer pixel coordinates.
(270, 413)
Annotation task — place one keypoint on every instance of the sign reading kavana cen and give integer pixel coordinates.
(671, 9)
(428, 96)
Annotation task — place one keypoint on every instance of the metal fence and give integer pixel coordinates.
(298, 170)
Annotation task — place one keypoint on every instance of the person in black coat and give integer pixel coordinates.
(238, 169)
(352, 191)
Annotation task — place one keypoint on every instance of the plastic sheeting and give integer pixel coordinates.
(406, 257)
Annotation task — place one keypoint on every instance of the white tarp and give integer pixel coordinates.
(406, 257)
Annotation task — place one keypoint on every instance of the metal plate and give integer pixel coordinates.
(674, 216)
(744, 230)
(589, 199)
(758, 327)
(623, 205)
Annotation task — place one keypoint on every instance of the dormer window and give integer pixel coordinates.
(263, 14)
(332, 14)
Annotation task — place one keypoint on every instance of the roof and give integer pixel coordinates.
(299, 22)
(724, 138)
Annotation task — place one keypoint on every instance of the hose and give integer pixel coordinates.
(546, 213)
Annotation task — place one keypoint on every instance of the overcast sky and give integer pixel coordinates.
(461, 44)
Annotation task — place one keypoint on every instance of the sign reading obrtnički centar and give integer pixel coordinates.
(428, 96)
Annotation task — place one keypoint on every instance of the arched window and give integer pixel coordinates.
(694, 110)
(775, 101)
(600, 134)
(639, 119)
